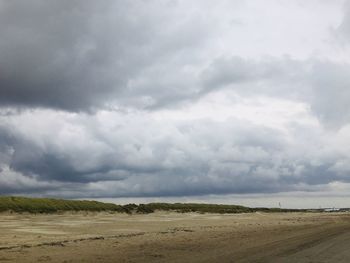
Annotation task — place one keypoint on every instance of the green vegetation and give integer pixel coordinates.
(209, 208)
(201, 208)
(49, 205)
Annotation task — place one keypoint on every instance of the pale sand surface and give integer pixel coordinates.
(175, 237)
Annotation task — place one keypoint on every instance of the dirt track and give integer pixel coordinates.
(173, 237)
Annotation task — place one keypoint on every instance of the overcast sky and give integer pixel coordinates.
(176, 99)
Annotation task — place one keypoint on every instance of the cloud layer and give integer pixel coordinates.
(108, 154)
(173, 98)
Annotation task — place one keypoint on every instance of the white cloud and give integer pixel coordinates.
(174, 98)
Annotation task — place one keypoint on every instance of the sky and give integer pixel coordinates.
(184, 100)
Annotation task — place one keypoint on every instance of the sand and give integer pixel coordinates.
(175, 237)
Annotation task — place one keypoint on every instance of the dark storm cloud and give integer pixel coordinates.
(82, 55)
(49, 163)
(41, 54)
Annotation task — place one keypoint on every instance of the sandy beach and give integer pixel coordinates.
(175, 237)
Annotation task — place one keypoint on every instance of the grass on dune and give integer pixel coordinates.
(207, 208)
(50, 205)
(202, 208)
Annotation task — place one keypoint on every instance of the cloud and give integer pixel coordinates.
(84, 56)
(322, 84)
(81, 56)
(172, 98)
(343, 29)
(145, 55)
(79, 155)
